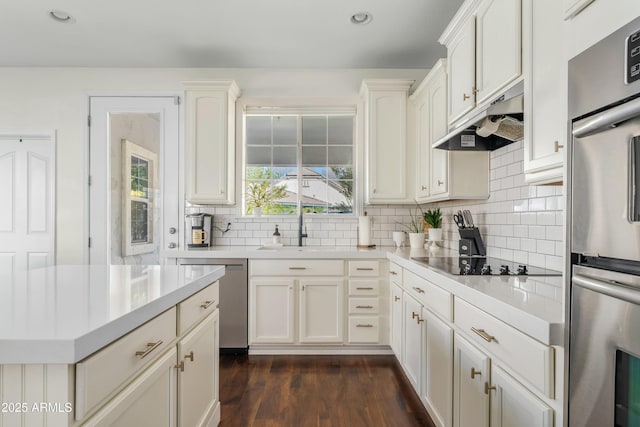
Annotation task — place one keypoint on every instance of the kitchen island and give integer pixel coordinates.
(100, 345)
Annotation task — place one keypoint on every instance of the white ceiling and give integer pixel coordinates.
(224, 33)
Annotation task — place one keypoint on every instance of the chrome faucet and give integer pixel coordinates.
(300, 233)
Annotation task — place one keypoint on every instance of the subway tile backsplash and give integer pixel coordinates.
(518, 222)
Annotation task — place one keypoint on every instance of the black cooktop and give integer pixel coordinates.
(483, 266)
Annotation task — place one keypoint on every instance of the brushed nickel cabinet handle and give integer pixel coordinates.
(297, 268)
(364, 326)
(557, 146)
(150, 347)
(180, 366)
(418, 290)
(423, 187)
(364, 269)
(364, 306)
(465, 97)
(440, 183)
(189, 356)
(484, 335)
(396, 298)
(487, 387)
(365, 289)
(474, 373)
(393, 273)
(414, 315)
(207, 304)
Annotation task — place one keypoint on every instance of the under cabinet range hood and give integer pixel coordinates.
(498, 124)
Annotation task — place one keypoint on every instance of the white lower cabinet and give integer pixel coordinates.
(396, 320)
(413, 332)
(271, 305)
(470, 377)
(437, 384)
(148, 401)
(321, 310)
(198, 359)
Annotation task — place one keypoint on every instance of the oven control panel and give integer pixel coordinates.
(633, 58)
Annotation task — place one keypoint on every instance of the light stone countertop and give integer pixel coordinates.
(64, 313)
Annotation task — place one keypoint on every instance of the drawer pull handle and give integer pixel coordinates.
(297, 268)
(207, 304)
(364, 326)
(189, 356)
(485, 336)
(393, 273)
(364, 306)
(396, 298)
(474, 373)
(150, 347)
(365, 289)
(418, 290)
(557, 146)
(180, 366)
(419, 320)
(364, 269)
(487, 387)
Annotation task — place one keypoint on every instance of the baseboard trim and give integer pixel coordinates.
(324, 350)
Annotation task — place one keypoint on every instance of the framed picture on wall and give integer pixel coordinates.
(139, 178)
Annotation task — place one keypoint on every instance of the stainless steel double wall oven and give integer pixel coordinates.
(604, 171)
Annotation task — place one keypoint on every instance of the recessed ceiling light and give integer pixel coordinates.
(60, 16)
(361, 18)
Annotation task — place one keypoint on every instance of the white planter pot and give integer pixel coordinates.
(435, 234)
(416, 240)
(257, 211)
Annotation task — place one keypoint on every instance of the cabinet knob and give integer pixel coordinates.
(557, 146)
(423, 188)
(465, 97)
(374, 191)
(396, 298)
(172, 245)
(221, 191)
(440, 182)
(172, 230)
(487, 387)
(474, 373)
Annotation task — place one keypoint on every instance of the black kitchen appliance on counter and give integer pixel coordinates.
(483, 266)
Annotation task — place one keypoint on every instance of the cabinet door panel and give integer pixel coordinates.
(413, 340)
(423, 148)
(396, 320)
(438, 379)
(271, 310)
(321, 310)
(461, 67)
(498, 47)
(197, 383)
(513, 405)
(470, 372)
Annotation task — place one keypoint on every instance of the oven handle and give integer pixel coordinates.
(611, 288)
(606, 119)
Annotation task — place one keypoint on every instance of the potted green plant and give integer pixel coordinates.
(433, 217)
(414, 229)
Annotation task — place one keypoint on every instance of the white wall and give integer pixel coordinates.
(56, 99)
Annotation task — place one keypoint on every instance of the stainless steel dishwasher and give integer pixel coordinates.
(233, 302)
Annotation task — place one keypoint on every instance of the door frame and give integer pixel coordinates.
(86, 155)
(51, 136)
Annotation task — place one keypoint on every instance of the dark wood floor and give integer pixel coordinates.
(317, 391)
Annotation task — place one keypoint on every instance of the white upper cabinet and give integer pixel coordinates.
(498, 46)
(442, 174)
(484, 51)
(210, 141)
(545, 93)
(385, 108)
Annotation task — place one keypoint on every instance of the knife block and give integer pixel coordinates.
(475, 243)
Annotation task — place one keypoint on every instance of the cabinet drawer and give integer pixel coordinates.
(197, 306)
(395, 273)
(364, 287)
(297, 267)
(364, 306)
(103, 372)
(433, 297)
(527, 357)
(364, 268)
(364, 329)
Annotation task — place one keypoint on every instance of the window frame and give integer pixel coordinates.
(268, 109)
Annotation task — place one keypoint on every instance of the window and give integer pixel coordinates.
(294, 159)
(139, 168)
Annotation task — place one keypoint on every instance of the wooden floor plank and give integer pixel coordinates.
(301, 391)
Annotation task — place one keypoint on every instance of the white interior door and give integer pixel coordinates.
(27, 201)
(150, 123)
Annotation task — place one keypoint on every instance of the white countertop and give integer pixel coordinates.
(531, 304)
(63, 314)
(285, 252)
